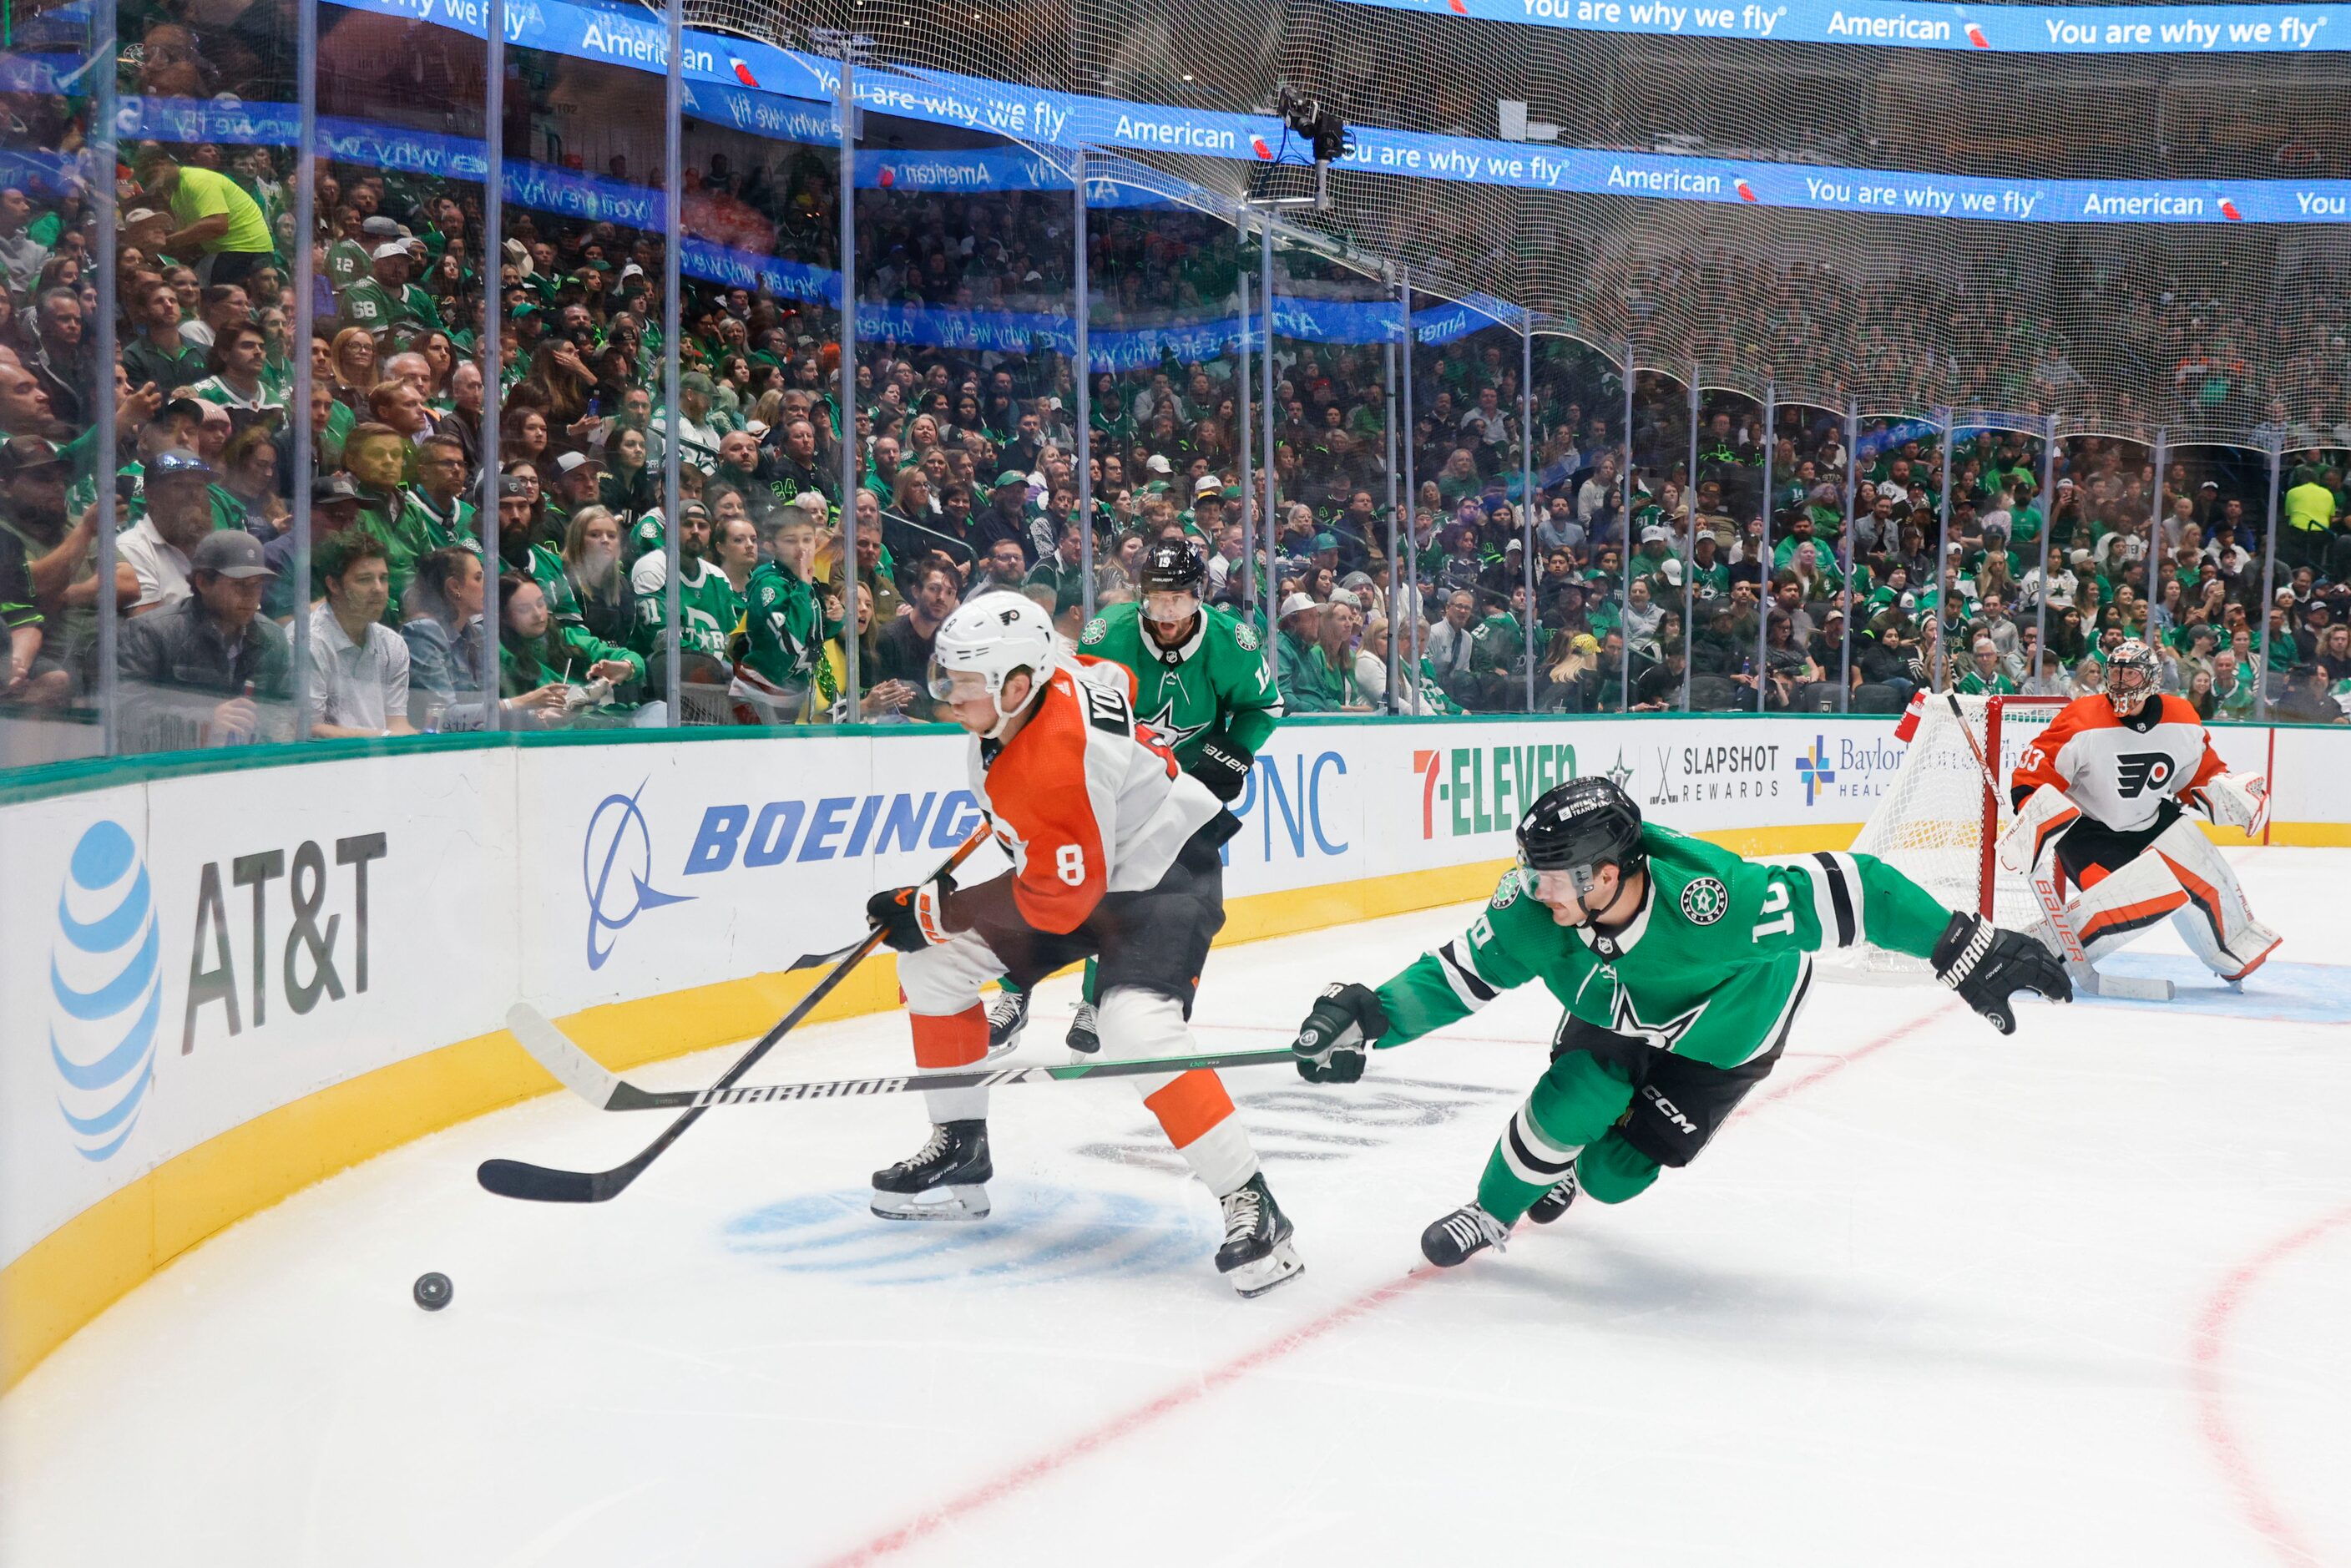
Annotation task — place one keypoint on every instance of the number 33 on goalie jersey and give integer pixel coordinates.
(1086, 800)
(1714, 966)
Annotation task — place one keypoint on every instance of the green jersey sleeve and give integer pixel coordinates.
(1243, 683)
(1500, 951)
(1831, 900)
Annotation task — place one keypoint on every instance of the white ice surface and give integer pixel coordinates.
(2076, 1297)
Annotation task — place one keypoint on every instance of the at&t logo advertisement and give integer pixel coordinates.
(106, 990)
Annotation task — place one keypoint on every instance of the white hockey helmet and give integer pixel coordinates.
(994, 636)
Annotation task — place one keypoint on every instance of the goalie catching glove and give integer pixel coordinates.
(1339, 1032)
(1987, 966)
(911, 918)
(2234, 799)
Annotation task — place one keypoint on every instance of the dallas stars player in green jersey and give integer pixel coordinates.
(1202, 685)
(1682, 968)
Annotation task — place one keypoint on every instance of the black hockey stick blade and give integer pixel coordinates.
(516, 1178)
(817, 960)
(537, 1184)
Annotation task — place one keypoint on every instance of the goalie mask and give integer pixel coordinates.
(2130, 676)
(988, 641)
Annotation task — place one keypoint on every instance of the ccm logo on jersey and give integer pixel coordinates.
(2138, 770)
(1671, 1111)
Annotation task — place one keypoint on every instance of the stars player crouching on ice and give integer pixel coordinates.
(1682, 968)
(2098, 797)
(1201, 683)
(1114, 853)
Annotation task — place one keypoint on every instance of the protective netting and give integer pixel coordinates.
(1939, 818)
(2208, 331)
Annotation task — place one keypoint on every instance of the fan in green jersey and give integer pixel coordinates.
(1201, 682)
(1682, 968)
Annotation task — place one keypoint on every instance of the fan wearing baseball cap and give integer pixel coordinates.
(191, 671)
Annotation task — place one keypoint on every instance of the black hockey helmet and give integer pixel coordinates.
(1579, 826)
(1174, 566)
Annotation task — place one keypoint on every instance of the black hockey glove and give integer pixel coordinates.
(1987, 966)
(1339, 1032)
(1223, 767)
(911, 918)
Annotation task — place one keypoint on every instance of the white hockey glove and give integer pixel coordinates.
(2046, 813)
(2236, 799)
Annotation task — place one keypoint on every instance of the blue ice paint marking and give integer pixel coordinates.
(1038, 1233)
(2276, 992)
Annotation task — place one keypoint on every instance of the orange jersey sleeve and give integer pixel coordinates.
(1038, 790)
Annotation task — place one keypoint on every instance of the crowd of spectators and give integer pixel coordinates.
(1671, 587)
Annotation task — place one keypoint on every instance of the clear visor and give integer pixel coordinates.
(1169, 608)
(957, 685)
(1551, 887)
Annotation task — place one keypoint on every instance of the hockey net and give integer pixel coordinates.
(1938, 822)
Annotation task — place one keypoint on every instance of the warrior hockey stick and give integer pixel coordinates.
(560, 1055)
(516, 1178)
(2052, 908)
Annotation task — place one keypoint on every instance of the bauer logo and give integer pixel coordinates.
(106, 990)
(1471, 790)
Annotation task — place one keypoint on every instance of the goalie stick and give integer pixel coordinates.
(519, 1179)
(2052, 908)
(562, 1055)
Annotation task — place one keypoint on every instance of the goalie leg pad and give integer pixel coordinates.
(2216, 923)
(2125, 901)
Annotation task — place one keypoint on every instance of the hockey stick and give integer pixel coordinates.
(2052, 909)
(560, 1055)
(517, 1178)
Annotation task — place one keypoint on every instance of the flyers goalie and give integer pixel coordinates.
(2101, 831)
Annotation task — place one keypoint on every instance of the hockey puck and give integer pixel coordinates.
(432, 1291)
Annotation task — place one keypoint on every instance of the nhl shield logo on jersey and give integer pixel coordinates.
(1245, 635)
(1705, 900)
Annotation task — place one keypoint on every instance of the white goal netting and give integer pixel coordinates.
(1938, 822)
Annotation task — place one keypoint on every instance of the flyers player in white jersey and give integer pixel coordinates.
(1114, 855)
(2098, 797)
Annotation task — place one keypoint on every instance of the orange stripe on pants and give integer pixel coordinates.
(955, 1040)
(2205, 896)
(1190, 1106)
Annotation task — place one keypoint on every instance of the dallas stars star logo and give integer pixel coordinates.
(1620, 771)
(1624, 1020)
(1163, 725)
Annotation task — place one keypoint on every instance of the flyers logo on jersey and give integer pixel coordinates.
(2138, 771)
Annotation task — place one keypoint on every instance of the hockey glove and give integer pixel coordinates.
(1223, 767)
(1987, 966)
(1339, 1032)
(2237, 799)
(911, 918)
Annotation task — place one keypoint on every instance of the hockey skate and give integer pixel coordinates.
(1552, 1204)
(1082, 1037)
(1007, 1017)
(945, 1179)
(1257, 1254)
(1467, 1231)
